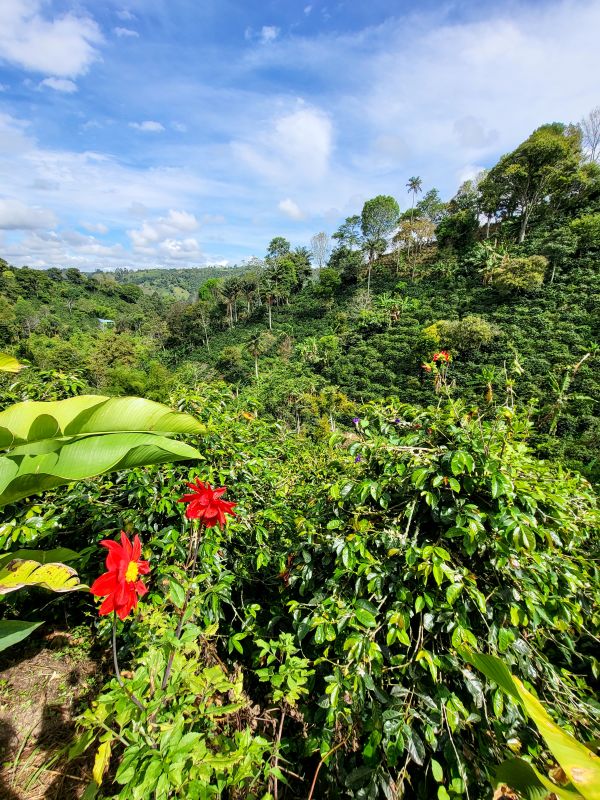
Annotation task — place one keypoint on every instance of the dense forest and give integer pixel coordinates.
(405, 417)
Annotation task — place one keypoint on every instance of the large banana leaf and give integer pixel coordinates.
(49, 463)
(41, 556)
(35, 421)
(56, 577)
(525, 779)
(579, 763)
(13, 631)
(9, 363)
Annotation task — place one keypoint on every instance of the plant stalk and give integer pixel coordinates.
(129, 694)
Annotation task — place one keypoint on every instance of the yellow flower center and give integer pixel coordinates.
(132, 572)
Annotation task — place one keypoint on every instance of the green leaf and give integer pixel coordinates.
(41, 556)
(437, 771)
(457, 462)
(56, 577)
(37, 467)
(522, 777)
(68, 440)
(452, 592)
(9, 363)
(365, 614)
(419, 477)
(177, 593)
(33, 421)
(505, 639)
(579, 763)
(13, 631)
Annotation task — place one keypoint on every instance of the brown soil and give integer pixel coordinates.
(42, 688)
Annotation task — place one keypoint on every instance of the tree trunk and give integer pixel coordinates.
(256, 367)
(523, 228)
(270, 320)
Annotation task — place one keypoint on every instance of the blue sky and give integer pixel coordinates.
(186, 132)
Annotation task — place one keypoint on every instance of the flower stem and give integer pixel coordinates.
(191, 565)
(129, 694)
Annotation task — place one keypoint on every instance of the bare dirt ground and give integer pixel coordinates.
(42, 688)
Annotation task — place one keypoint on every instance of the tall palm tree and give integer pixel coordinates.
(414, 186)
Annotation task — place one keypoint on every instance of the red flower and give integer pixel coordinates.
(120, 585)
(205, 504)
(443, 355)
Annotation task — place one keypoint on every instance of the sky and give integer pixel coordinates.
(172, 133)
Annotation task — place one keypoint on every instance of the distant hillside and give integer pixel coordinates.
(174, 284)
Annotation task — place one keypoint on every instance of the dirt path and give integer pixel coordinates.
(41, 690)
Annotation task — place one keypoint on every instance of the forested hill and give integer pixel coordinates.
(173, 284)
(503, 278)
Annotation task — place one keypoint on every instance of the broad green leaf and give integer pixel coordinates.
(41, 556)
(77, 416)
(452, 592)
(56, 577)
(9, 363)
(522, 777)
(579, 763)
(457, 462)
(45, 465)
(13, 631)
(436, 770)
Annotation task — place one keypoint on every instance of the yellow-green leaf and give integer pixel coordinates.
(524, 778)
(101, 761)
(9, 363)
(56, 577)
(579, 763)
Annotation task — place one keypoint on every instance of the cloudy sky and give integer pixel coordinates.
(179, 132)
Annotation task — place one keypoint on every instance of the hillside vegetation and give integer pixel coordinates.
(406, 417)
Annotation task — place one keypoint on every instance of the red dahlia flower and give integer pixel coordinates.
(205, 504)
(443, 355)
(120, 585)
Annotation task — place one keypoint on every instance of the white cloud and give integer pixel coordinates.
(152, 233)
(307, 10)
(148, 126)
(268, 33)
(125, 32)
(64, 46)
(291, 209)
(466, 92)
(180, 127)
(60, 85)
(125, 14)
(181, 250)
(95, 227)
(70, 248)
(15, 216)
(294, 147)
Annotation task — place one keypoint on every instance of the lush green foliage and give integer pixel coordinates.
(405, 433)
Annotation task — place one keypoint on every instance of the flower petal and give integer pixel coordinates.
(105, 584)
